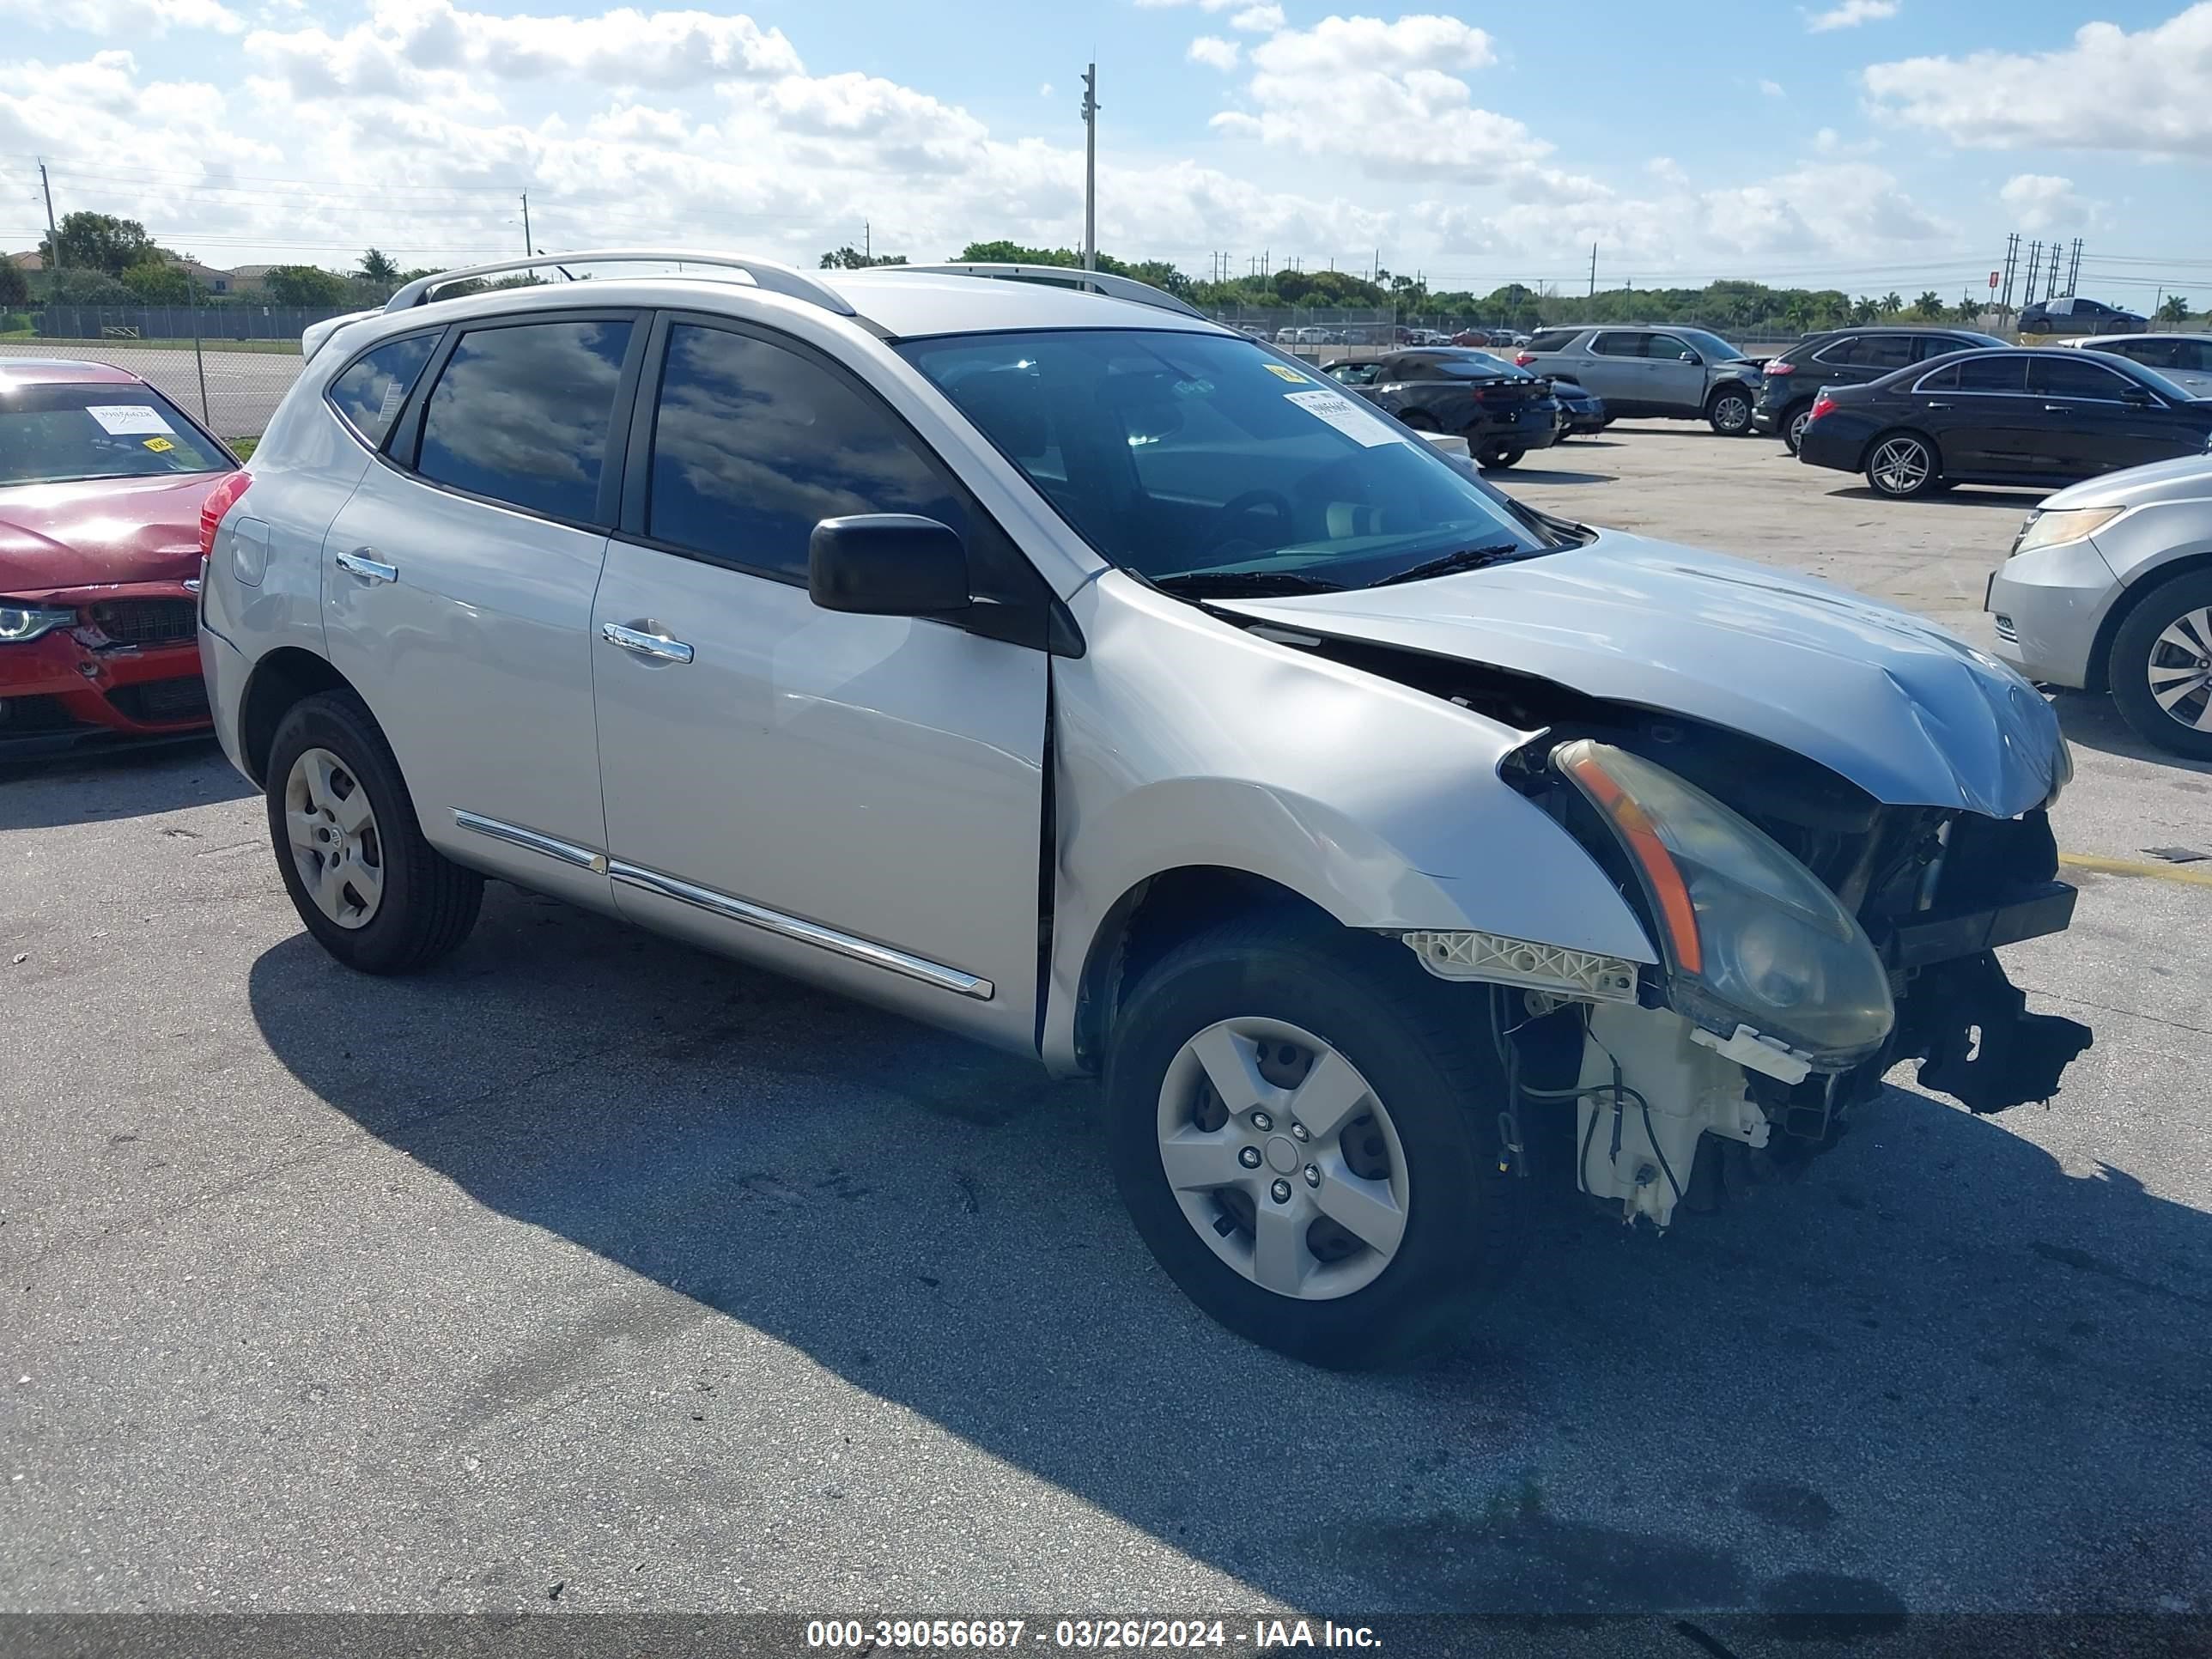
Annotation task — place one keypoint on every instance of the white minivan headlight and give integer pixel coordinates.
(2058, 527)
(1751, 936)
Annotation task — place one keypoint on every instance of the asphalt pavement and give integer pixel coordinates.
(590, 1271)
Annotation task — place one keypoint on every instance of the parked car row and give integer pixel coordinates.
(1500, 409)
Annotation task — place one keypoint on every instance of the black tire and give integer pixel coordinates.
(1501, 458)
(2127, 668)
(429, 903)
(1728, 410)
(1929, 479)
(1793, 426)
(1426, 1050)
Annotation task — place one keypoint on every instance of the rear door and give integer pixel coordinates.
(1978, 411)
(457, 583)
(1614, 369)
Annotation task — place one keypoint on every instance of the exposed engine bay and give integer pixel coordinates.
(1661, 1099)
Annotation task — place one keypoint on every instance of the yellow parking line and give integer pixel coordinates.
(2188, 875)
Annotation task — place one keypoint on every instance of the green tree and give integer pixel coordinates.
(849, 257)
(1928, 306)
(88, 288)
(379, 270)
(14, 286)
(97, 241)
(303, 285)
(2175, 309)
(1864, 309)
(1890, 304)
(156, 282)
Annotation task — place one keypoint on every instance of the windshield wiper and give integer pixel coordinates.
(1223, 584)
(1468, 558)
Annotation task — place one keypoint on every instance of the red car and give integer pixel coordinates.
(102, 480)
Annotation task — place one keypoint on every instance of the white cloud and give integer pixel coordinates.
(1214, 51)
(1382, 94)
(1772, 89)
(2149, 92)
(1849, 14)
(2039, 200)
(1045, 91)
(1258, 20)
(125, 20)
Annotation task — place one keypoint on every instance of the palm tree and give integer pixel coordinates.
(1928, 306)
(1864, 311)
(1890, 305)
(2175, 309)
(378, 271)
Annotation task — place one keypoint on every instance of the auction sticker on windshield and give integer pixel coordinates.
(128, 420)
(1281, 373)
(1362, 426)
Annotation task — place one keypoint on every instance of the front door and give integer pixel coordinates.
(1674, 375)
(855, 799)
(2101, 420)
(456, 592)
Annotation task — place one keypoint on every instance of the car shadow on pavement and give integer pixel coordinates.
(106, 785)
(1544, 474)
(2092, 720)
(2014, 501)
(1940, 1372)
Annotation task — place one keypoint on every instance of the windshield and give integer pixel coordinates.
(1180, 455)
(61, 433)
(1711, 347)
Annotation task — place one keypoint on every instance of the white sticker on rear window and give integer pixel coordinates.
(128, 420)
(1361, 425)
(394, 395)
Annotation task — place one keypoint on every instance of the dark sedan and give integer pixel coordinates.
(1502, 411)
(2030, 419)
(1845, 356)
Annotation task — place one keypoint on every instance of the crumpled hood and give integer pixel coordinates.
(1910, 713)
(61, 536)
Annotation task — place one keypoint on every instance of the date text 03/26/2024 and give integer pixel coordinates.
(1100, 1635)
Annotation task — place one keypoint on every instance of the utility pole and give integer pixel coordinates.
(867, 240)
(2073, 271)
(2011, 269)
(529, 247)
(2051, 282)
(1593, 271)
(53, 236)
(1090, 167)
(2034, 266)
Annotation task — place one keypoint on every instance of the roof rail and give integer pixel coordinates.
(1118, 288)
(765, 273)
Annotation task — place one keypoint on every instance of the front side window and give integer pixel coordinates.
(753, 445)
(521, 414)
(370, 391)
(2064, 377)
(1666, 348)
(1186, 455)
(65, 433)
(1711, 347)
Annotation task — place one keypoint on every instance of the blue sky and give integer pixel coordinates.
(1865, 144)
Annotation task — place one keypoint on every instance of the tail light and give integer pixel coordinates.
(1522, 359)
(1823, 404)
(1777, 367)
(220, 501)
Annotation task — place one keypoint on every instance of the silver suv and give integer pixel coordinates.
(1080, 676)
(1678, 373)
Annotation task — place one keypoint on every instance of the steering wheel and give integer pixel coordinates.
(1251, 501)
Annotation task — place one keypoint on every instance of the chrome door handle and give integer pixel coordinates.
(359, 563)
(658, 647)
(2054, 409)
(1933, 405)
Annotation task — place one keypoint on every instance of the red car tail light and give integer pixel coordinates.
(220, 501)
(1823, 404)
(1777, 367)
(1522, 359)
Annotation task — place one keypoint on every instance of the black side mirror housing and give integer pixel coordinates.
(888, 564)
(2142, 396)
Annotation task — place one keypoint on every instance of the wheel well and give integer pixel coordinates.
(1151, 919)
(1726, 386)
(280, 680)
(1867, 449)
(2133, 595)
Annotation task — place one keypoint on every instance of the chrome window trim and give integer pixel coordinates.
(807, 933)
(583, 857)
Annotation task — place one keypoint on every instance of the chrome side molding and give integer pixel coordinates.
(807, 933)
(515, 836)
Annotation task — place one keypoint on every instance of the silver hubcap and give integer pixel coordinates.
(1283, 1159)
(2181, 670)
(1797, 424)
(1733, 412)
(335, 845)
(1900, 466)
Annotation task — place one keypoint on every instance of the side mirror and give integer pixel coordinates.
(2141, 396)
(1692, 357)
(887, 564)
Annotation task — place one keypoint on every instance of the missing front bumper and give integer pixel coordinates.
(1970, 1026)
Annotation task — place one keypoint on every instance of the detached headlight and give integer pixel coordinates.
(1751, 936)
(20, 623)
(2056, 529)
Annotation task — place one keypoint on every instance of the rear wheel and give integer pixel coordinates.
(1729, 410)
(2160, 666)
(1902, 464)
(1793, 426)
(1501, 456)
(371, 889)
(1300, 1125)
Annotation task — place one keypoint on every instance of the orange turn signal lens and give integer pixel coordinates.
(1669, 891)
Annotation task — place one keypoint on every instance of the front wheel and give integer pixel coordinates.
(1502, 457)
(1302, 1125)
(1903, 465)
(1729, 411)
(373, 891)
(2161, 667)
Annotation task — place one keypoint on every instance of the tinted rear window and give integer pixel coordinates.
(369, 393)
(2069, 377)
(521, 415)
(1553, 340)
(1993, 374)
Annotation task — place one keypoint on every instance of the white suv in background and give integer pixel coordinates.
(1078, 674)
